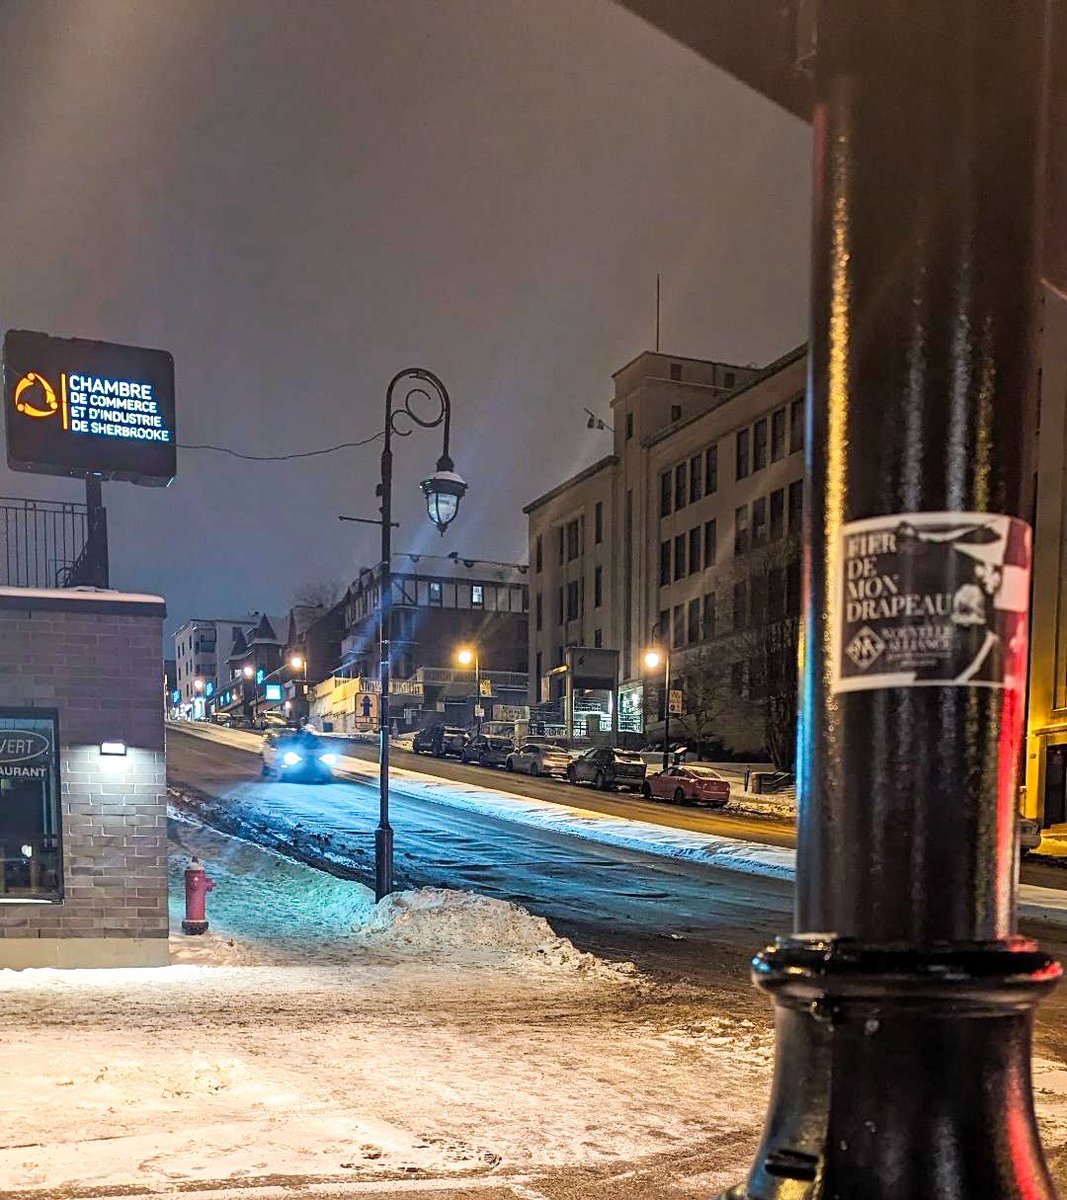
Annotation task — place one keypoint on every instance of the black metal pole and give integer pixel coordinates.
(666, 706)
(97, 573)
(904, 1000)
(383, 835)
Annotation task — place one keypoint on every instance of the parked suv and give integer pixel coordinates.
(607, 768)
(440, 740)
(487, 751)
(538, 756)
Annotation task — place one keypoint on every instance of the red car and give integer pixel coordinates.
(682, 784)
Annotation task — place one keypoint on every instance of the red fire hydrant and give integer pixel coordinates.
(197, 886)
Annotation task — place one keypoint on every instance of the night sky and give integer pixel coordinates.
(299, 199)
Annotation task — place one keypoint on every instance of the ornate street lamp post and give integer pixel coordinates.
(653, 658)
(465, 656)
(904, 999)
(425, 403)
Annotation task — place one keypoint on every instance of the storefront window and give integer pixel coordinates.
(30, 842)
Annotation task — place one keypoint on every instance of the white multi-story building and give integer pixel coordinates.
(655, 541)
(201, 648)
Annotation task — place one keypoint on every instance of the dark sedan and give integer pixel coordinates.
(607, 768)
(440, 740)
(486, 751)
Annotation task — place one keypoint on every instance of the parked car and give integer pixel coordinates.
(297, 754)
(684, 784)
(271, 720)
(440, 740)
(607, 768)
(487, 751)
(538, 756)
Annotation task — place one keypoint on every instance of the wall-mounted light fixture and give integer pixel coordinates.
(117, 748)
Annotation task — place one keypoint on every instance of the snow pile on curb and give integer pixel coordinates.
(446, 921)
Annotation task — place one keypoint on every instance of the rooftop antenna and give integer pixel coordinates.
(657, 312)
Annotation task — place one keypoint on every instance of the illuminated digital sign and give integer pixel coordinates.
(74, 407)
(273, 691)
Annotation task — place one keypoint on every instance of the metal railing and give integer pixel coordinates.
(50, 544)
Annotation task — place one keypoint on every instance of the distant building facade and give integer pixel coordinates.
(657, 541)
(201, 647)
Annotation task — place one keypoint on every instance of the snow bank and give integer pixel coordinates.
(266, 908)
(442, 921)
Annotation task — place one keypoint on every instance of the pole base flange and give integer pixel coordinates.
(194, 927)
(901, 1072)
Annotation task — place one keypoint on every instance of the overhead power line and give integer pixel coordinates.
(282, 457)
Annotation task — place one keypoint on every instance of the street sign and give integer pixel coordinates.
(677, 703)
(80, 408)
(485, 687)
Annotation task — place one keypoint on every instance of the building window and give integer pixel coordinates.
(663, 626)
(777, 434)
(598, 587)
(694, 550)
(477, 596)
(737, 678)
(572, 540)
(572, 600)
(693, 629)
(559, 539)
(559, 606)
(678, 633)
(676, 412)
(538, 612)
(629, 425)
(729, 379)
(757, 600)
(796, 505)
(759, 444)
(710, 540)
(598, 522)
(796, 425)
(665, 494)
(538, 559)
(664, 563)
(709, 615)
(776, 593)
(676, 372)
(696, 479)
(777, 514)
(436, 597)
(598, 638)
(741, 465)
(679, 487)
(679, 557)
(740, 606)
(759, 521)
(537, 672)
(711, 470)
(741, 530)
(792, 588)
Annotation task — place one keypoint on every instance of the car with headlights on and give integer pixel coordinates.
(538, 756)
(485, 750)
(297, 754)
(693, 784)
(607, 768)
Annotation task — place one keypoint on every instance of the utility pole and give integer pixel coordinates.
(904, 997)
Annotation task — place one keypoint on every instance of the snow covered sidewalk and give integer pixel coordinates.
(443, 1035)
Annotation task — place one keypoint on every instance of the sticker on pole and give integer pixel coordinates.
(932, 599)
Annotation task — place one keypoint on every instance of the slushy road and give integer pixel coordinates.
(671, 917)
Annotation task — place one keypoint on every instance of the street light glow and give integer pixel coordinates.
(653, 658)
(464, 657)
(198, 685)
(249, 671)
(296, 662)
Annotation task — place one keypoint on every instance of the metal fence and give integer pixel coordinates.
(50, 544)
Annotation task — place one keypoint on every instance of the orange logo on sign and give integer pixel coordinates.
(48, 396)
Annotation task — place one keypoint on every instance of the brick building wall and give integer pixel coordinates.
(94, 657)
